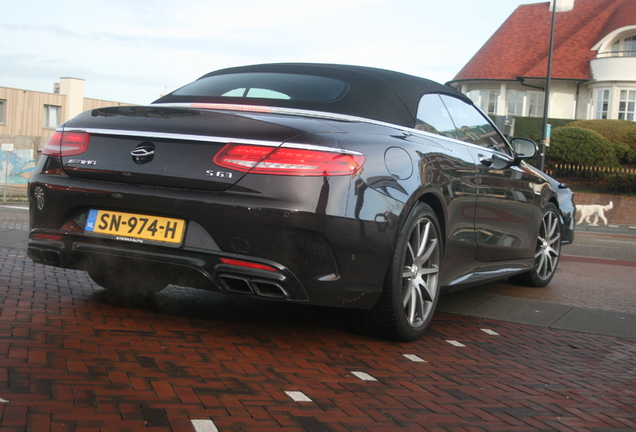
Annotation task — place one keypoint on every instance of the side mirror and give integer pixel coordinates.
(524, 148)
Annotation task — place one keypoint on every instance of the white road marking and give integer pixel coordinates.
(605, 259)
(490, 332)
(14, 207)
(204, 426)
(414, 358)
(364, 376)
(595, 246)
(298, 396)
(455, 343)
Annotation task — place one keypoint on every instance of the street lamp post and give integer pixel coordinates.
(546, 100)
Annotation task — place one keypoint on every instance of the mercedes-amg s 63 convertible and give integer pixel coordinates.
(321, 184)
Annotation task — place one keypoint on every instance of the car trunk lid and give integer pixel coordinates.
(165, 146)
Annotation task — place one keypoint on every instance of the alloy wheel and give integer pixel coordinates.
(548, 246)
(420, 273)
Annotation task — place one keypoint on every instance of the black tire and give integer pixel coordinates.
(547, 251)
(133, 284)
(411, 287)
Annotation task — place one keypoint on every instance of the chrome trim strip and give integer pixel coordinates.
(322, 115)
(174, 136)
(207, 138)
(321, 148)
(309, 113)
(258, 109)
(479, 276)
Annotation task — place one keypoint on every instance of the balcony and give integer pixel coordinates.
(614, 66)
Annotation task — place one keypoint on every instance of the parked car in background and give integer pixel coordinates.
(320, 184)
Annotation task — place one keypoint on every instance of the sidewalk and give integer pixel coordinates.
(586, 295)
(607, 229)
(589, 295)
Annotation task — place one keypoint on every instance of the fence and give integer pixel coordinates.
(621, 181)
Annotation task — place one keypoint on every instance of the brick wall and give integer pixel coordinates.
(623, 213)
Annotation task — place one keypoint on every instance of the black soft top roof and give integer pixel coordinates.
(373, 93)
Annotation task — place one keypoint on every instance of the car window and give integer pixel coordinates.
(472, 126)
(432, 116)
(267, 85)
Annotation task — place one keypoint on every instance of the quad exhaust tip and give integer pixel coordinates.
(253, 286)
(43, 256)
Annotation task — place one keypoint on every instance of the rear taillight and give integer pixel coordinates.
(66, 144)
(288, 161)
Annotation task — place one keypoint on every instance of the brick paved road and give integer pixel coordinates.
(73, 359)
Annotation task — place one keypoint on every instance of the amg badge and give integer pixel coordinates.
(81, 162)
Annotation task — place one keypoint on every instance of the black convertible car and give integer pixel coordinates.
(321, 184)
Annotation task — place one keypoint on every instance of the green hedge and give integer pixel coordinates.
(622, 133)
(530, 127)
(579, 146)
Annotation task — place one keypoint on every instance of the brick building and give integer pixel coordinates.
(37, 114)
(29, 118)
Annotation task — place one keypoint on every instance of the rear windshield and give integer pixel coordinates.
(267, 85)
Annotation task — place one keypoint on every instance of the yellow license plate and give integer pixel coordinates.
(135, 228)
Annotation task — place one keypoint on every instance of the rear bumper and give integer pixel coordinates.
(197, 269)
(334, 257)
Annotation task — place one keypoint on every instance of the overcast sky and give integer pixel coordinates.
(131, 50)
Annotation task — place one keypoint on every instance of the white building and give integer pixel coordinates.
(593, 65)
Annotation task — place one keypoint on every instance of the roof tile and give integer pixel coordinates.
(519, 48)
